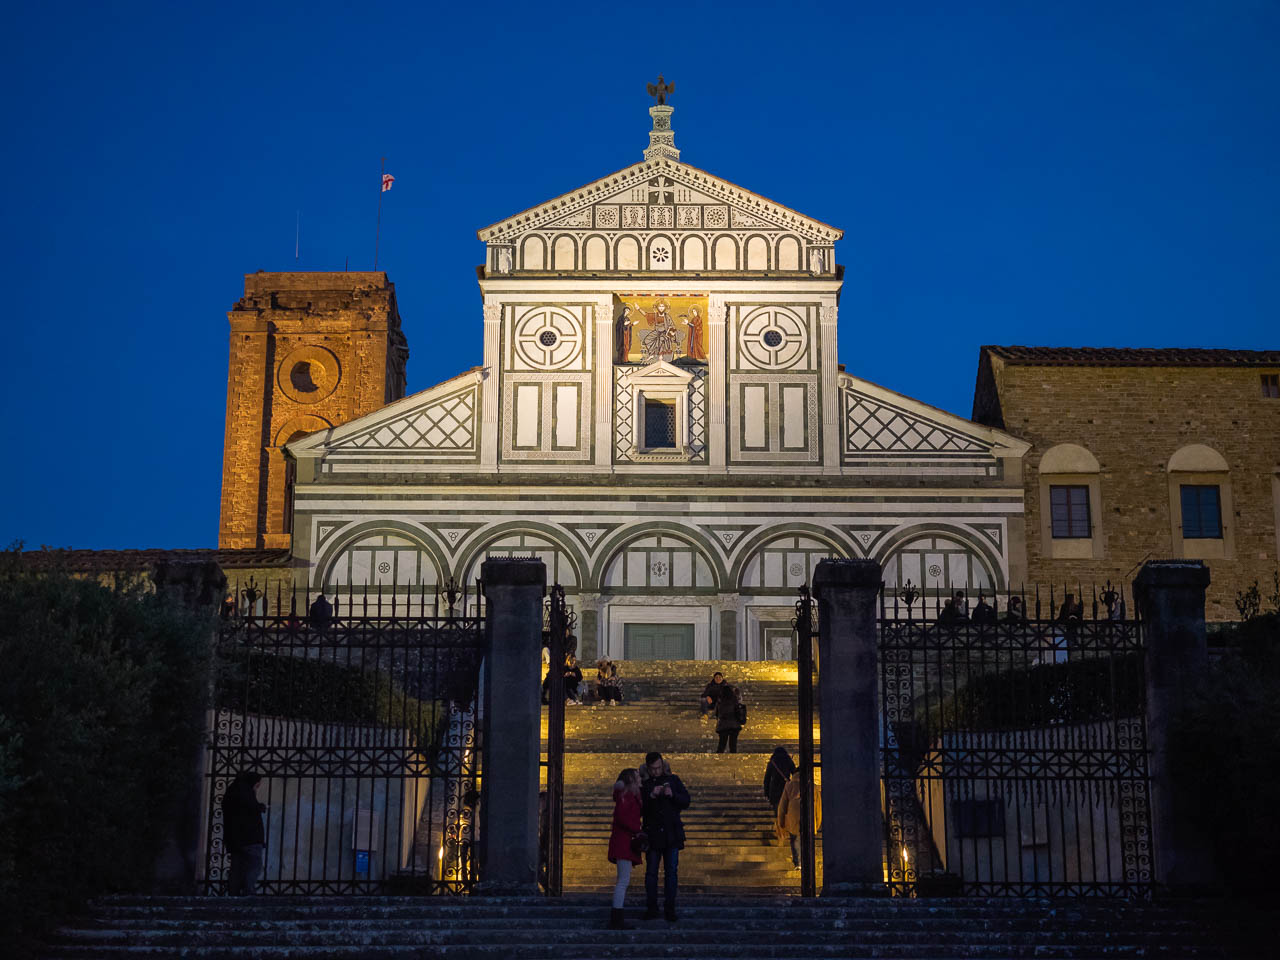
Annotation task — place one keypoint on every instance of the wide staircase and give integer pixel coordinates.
(731, 846)
(738, 894)
(709, 928)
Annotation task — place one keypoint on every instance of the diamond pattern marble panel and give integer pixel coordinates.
(874, 426)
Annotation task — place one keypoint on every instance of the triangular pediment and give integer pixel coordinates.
(879, 421)
(660, 372)
(439, 423)
(660, 194)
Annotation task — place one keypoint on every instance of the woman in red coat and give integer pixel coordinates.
(626, 824)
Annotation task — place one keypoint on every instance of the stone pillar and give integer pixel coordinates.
(588, 634)
(852, 821)
(1170, 598)
(199, 587)
(728, 633)
(512, 730)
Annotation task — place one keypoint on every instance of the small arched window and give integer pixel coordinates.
(1070, 503)
(1200, 503)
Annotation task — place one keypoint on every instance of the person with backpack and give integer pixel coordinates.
(729, 718)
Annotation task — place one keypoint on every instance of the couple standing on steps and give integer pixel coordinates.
(646, 822)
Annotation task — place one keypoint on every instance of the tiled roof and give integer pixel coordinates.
(107, 561)
(1135, 356)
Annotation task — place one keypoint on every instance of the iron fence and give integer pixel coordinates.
(1014, 745)
(363, 722)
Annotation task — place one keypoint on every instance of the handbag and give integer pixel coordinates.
(639, 842)
(742, 714)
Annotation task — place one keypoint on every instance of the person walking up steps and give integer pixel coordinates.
(627, 841)
(788, 820)
(776, 774)
(663, 796)
(728, 719)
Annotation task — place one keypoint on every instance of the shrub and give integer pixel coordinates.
(99, 718)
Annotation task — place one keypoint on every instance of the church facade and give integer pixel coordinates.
(659, 413)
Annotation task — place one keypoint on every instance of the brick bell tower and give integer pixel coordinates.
(309, 351)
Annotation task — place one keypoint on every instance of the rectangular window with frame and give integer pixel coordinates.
(1271, 386)
(1069, 512)
(659, 425)
(1201, 512)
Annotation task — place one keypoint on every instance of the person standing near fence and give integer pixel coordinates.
(243, 833)
(627, 840)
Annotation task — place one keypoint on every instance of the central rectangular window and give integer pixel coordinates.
(659, 424)
(1201, 512)
(1069, 511)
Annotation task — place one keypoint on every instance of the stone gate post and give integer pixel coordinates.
(512, 728)
(852, 823)
(1170, 598)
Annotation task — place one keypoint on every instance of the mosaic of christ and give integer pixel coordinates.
(659, 327)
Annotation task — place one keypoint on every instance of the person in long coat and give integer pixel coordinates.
(776, 774)
(628, 821)
(243, 832)
(727, 722)
(663, 796)
(788, 819)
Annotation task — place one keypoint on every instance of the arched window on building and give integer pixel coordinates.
(381, 565)
(1070, 504)
(560, 568)
(1202, 523)
(660, 561)
(785, 563)
(938, 564)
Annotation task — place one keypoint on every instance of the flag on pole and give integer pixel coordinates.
(387, 181)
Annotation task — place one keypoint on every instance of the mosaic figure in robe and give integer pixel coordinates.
(695, 349)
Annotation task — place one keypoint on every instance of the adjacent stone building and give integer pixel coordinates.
(660, 415)
(308, 351)
(1142, 454)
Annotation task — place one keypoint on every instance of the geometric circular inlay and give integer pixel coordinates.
(935, 570)
(384, 567)
(773, 338)
(548, 338)
(796, 569)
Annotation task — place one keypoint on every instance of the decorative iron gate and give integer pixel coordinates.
(363, 723)
(1014, 746)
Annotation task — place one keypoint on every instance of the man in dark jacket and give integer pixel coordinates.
(243, 833)
(663, 797)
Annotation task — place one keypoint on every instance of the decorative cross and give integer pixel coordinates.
(661, 89)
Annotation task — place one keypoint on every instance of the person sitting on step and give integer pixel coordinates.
(608, 683)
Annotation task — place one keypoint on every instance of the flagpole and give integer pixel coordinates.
(377, 234)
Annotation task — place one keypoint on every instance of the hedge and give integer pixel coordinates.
(97, 732)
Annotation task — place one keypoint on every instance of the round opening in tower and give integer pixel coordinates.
(306, 376)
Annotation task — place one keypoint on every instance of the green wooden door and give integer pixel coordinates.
(657, 641)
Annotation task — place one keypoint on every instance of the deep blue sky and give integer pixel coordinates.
(1079, 174)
